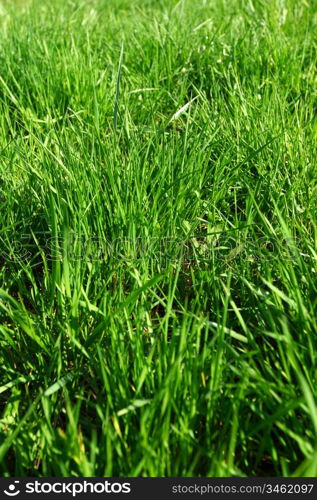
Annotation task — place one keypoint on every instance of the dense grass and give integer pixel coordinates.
(158, 263)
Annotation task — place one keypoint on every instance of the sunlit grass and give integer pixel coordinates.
(158, 238)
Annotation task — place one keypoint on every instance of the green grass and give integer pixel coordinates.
(158, 261)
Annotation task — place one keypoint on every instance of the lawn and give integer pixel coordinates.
(158, 238)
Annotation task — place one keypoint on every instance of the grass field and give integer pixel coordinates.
(158, 238)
